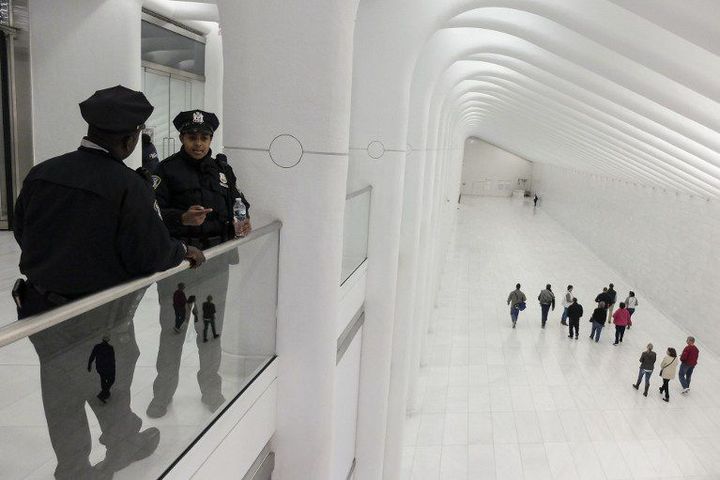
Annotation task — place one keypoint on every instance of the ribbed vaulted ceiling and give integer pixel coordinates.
(622, 88)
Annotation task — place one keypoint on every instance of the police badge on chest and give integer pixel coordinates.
(223, 180)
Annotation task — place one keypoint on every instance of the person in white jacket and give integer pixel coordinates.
(668, 368)
(631, 303)
(567, 301)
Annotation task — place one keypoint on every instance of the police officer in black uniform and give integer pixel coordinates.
(196, 194)
(85, 222)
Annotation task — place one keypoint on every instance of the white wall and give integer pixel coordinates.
(663, 243)
(75, 50)
(491, 171)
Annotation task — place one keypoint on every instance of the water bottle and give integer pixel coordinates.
(239, 215)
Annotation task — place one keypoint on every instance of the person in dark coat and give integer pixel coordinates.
(86, 222)
(574, 312)
(179, 304)
(196, 193)
(647, 365)
(610, 304)
(208, 309)
(598, 321)
(103, 354)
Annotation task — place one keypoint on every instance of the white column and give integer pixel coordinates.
(288, 70)
(75, 49)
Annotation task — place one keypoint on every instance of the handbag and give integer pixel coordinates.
(521, 306)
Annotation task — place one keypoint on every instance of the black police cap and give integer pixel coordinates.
(196, 121)
(117, 109)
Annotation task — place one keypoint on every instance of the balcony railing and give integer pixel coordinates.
(355, 231)
(162, 375)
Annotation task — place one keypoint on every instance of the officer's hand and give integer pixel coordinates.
(242, 228)
(195, 215)
(195, 255)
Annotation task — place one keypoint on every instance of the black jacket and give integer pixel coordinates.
(647, 360)
(599, 315)
(104, 356)
(208, 310)
(604, 297)
(575, 311)
(182, 182)
(86, 222)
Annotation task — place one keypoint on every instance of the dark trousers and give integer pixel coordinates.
(685, 374)
(107, 379)
(67, 386)
(210, 279)
(545, 309)
(665, 388)
(619, 333)
(179, 317)
(208, 322)
(574, 324)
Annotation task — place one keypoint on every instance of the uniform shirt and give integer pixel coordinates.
(86, 222)
(181, 182)
(150, 159)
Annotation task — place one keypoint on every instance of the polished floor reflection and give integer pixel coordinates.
(24, 442)
(498, 403)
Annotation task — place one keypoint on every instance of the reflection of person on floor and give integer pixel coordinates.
(196, 193)
(192, 308)
(86, 222)
(104, 356)
(209, 318)
(179, 303)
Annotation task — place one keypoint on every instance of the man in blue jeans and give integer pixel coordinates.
(515, 298)
(546, 299)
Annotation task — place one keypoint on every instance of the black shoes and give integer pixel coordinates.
(636, 387)
(139, 446)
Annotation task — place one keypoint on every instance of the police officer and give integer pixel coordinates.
(85, 222)
(196, 193)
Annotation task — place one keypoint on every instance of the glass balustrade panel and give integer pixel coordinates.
(122, 390)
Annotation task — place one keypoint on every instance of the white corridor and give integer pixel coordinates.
(498, 403)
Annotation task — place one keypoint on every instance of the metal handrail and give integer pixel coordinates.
(358, 192)
(37, 323)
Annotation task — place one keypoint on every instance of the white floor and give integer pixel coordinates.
(498, 403)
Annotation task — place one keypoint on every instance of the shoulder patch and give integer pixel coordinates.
(156, 181)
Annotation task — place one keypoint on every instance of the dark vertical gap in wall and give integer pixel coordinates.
(6, 130)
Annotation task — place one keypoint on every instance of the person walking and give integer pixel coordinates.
(598, 322)
(516, 300)
(574, 312)
(688, 360)
(610, 304)
(668, 368)
(547, 300)
(621, 318)
(103, 354)
(567, 301)
(209, 317)
(631, 303)
(647, 365)
(179, 304)
(603, 297)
